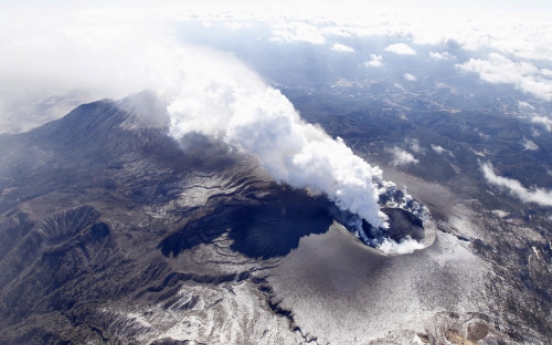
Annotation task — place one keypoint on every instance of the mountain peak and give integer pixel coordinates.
(147, 110)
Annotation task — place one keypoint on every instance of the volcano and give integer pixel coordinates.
(101, 210)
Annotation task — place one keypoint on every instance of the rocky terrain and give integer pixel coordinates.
(114, 233)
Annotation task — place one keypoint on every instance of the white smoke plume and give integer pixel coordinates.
(223, 99)
(406, 246)
(83, 59)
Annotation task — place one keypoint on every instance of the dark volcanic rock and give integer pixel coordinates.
(266, 227)
(403, 223)
(91, 202)
(100, 208)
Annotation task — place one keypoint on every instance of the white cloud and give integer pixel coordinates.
(525, 105)
(409, 77)
(67, 54)
(440, 150)
(483, 135)
(523, 75)
(377, 61)
(51, 61)
(400, 49)
(539, 196)
(529, 145)
(520, 35)
(414, 145)
(440, 56)
(341, 48)
(402, 157)
(284, 31)
(543, 120)
(501, 213)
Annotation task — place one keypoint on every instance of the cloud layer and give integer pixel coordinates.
(27, 33)
(525, 76)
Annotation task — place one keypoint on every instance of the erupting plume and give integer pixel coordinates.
(206, 92)
(235, 105)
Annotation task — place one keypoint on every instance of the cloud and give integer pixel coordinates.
(409, 77)
(523, 75)
(525, 105)
(546, 121)
(483, 135)
(414, 145)
(400, 49)
(440, 150)
(51, 61)
(529, 145)
(377, 61)
(402, 157)
(440, 56)
(341, 48)
(291, 31)
(538, 196)
(500, 213)
(398, 86)
(519, 35)
(85, 56)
